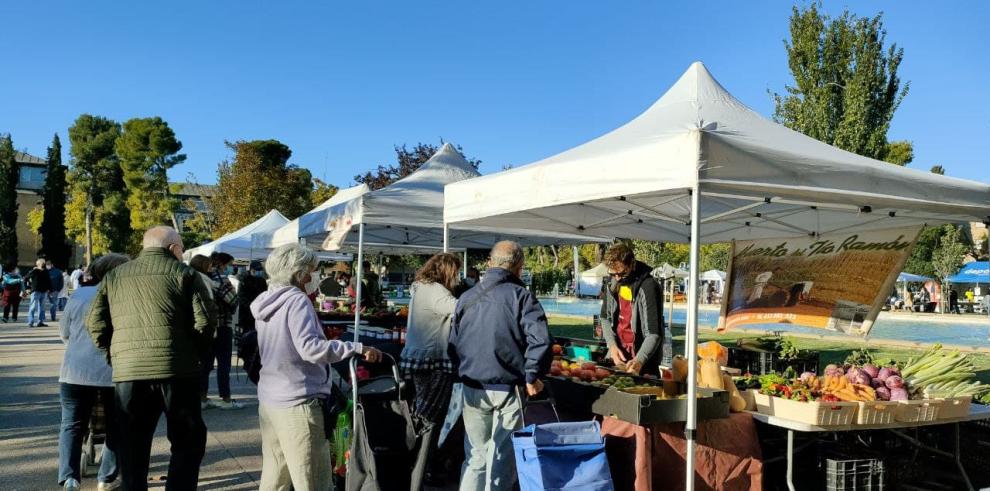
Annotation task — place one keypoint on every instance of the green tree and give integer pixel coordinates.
(258, 179)
(938, 169)
(846, 88)
(9, 176)
(147, 149)
(97, 188)
(322, 191)
(715, 256)
(948, 256)
(920, 260)
(52, 226)
(407, 161)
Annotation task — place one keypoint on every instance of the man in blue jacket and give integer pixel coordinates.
(499, 342)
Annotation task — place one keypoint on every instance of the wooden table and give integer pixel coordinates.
(977, 412)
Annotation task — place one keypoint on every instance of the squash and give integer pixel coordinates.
(679, 368)
(712, 350)
(710, 375)
(736, 401)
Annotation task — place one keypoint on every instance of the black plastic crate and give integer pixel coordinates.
(858, 475)
(763, 362)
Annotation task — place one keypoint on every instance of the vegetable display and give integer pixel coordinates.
(940, 373)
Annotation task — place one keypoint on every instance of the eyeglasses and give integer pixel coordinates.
(616, 274)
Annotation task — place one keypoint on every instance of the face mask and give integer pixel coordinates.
(312, 286)
(258, 274)
(341, 282)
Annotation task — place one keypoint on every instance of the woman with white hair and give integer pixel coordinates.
(294, 387)
(85, 375)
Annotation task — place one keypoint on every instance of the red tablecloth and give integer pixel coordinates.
(644, 458)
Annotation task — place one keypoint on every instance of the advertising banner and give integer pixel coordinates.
(837, 281)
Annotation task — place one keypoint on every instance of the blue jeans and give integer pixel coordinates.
(36, 309)
(77, 407)
(490, 417)
(221, 352)
(52, 303)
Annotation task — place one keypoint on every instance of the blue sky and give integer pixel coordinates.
(512, 82)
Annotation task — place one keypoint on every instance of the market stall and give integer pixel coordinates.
(699, 166)
(238, 243)
(976, 277)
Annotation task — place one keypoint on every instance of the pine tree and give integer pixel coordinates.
(147, 149)
(97, 184)
(53, 244)
(9, 176)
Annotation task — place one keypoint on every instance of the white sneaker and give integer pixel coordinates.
(231, 404)
(108, 486)
(71, 484)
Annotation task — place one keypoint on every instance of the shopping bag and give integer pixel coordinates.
(562, 456)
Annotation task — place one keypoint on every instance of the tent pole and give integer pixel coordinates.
(446, 237)
(357, 288)
(574, 250)
(465, 266)
(691, 338)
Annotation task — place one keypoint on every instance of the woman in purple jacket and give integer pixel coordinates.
(294, 388)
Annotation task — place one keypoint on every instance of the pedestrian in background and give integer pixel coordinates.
(154, 315)
(225, 297)
(85, 377)
(76, 277)
(13, 285)
(58, 282)
(251, 283)
(39, 282)
(63, 294)
(499, 342)
(294, 391)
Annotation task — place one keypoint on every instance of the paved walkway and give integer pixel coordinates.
(30, 414)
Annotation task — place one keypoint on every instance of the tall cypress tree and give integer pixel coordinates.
(9, 175)
(53, 244)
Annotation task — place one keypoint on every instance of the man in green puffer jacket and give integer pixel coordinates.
(156, 318)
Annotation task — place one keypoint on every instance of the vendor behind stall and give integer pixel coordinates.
(632, 317)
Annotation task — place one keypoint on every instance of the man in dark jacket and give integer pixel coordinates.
(156, 317)
(40, 283)
(632, 317)
(499, 341)
(57, 283)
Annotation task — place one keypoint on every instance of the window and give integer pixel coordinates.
(32, 177)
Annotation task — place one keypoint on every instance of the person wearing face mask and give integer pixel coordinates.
(225, 297)
(155, 317)
(294, 388)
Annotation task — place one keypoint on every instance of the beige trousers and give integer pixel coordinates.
(294, 448)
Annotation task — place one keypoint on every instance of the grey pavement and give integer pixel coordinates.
(30, 414)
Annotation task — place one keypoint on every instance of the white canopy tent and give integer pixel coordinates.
(590, 281)
(311, 223)
(238, 242)
(699, 166)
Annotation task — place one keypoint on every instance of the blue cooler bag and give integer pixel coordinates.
(562, 456)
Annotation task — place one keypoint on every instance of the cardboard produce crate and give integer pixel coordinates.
(647, 409)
